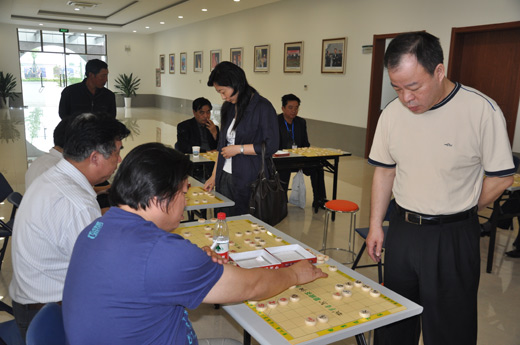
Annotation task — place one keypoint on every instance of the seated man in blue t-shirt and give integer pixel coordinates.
(130, 280)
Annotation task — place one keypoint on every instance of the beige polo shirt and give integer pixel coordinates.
(441, 156)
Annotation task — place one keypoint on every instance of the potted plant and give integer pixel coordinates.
(128, 85)
(7, 86)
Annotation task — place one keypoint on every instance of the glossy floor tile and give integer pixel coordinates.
(25, 134)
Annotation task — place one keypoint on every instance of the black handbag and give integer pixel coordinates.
(268, 200)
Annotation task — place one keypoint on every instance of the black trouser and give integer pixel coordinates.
(23, 315)
(438, 267)
(317, 181)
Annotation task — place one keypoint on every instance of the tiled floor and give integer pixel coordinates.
(499, 294)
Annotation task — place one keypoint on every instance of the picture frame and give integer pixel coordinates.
(293, 57)
(158, 77)
(236, 56)
(262, 54)
(171, 63)
(215, 57)
(197, 61)
(162, 63)
(183, 63)
(333, 53)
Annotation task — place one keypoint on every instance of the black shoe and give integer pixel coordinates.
(514, 253)
(316, 206)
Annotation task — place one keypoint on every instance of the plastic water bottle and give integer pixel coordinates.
(221, 236)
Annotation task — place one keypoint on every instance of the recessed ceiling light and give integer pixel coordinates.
(204, 10)
(76, 9)
(147, 27)
(162, 23)
(90, 28)
(236, 0)
(180, 17)
(40, 24)
(135, 31)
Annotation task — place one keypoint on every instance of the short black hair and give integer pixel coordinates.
(199, 103)
(59, 132)
(87, 133)
(424, 46)
(94, 66)
(289, 97)
(228, 74)
(148, 171)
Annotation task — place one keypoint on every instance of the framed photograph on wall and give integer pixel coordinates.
(215, 56)
(184, 63)
(197, 61)
(171, 63)
(162, 62)
(293, 57)
(236, 55)
(333, 54)
(158, 77)
(261, 58)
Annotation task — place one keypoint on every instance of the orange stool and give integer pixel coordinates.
(341, 206)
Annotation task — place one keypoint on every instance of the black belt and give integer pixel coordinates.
(34, 306)
(424, 219)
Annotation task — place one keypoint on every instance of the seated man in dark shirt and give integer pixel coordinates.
(293, 133)
(198, 131)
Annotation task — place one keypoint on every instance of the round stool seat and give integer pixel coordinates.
(341, 206)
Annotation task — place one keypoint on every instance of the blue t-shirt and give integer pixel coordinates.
(129, 282)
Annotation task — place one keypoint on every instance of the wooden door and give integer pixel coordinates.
(487, 58)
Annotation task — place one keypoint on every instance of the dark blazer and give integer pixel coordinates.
(258, 125)
(76, 99)
(300, 133)
(188, 135)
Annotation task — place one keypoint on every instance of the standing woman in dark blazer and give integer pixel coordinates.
(247, 120)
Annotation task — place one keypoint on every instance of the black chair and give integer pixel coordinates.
(6, 228)
(363, 232)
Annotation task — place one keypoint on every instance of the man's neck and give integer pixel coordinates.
(91, 87)
(288, 120)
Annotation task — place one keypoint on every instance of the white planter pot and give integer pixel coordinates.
(128, 102)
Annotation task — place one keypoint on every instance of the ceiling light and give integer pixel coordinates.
(146, 27)
(40, 24)
(82, 4)
(134, 31)
(204, 10)
(236, 0)
(180, 17)
(162, 23)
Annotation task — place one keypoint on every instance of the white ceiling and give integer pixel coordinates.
(118, 15)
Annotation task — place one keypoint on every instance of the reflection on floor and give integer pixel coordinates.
(499, 295)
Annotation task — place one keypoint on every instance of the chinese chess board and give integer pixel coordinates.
(315, 151)
(244, 235)
(198, 196)
(212, 156)
(321, 307)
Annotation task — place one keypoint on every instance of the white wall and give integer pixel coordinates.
(9, 60)
(340, 99)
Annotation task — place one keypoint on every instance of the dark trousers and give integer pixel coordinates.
(226, 188)
(23, 317)
(317, 181)
(438, 267)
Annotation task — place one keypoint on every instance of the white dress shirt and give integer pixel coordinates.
(57, 206)
(41, 165)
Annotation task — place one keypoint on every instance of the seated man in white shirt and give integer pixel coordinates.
(54, 210)
(48, 160)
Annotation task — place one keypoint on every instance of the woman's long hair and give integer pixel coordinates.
(230, 75)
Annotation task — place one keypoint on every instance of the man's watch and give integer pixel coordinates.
(242, 149)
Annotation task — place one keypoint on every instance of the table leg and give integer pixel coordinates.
(493, 235)
(247, 338)
(335, 184)
(360, 339)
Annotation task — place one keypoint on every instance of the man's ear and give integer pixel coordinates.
(94, 158)
(440, 72)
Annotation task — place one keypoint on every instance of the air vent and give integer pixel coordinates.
(82, 4)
